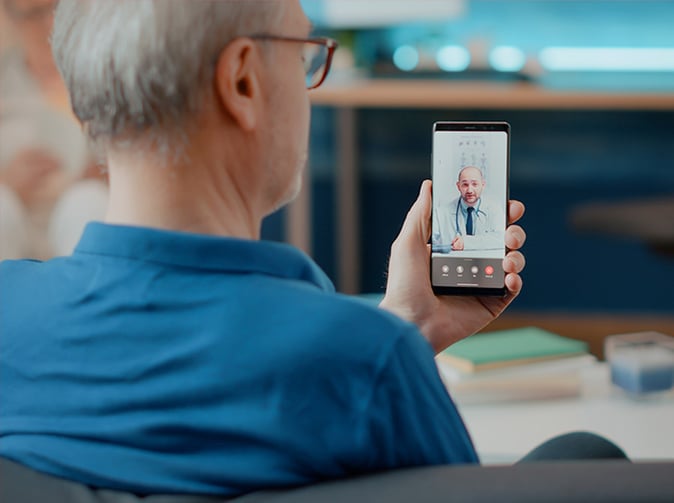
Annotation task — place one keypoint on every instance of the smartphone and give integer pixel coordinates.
(470, 172)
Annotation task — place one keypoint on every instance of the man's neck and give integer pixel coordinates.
(193, 195)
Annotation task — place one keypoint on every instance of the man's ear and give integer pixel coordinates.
(236, 83)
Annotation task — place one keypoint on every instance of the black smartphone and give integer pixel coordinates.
(470, 172)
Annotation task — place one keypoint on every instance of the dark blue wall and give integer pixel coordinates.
(559, 159)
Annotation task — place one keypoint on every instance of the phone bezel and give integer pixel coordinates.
(475, 126)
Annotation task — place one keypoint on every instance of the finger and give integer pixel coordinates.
(513, 283)
(425, 200)
(514, 262)
(515, 237)
(515, 211)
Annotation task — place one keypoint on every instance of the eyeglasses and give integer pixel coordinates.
(316, 55)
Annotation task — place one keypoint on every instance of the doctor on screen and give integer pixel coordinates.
(468, 222)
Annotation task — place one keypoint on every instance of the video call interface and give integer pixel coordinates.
(469, 208)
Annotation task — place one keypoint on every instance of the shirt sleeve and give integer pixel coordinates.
(411, 419)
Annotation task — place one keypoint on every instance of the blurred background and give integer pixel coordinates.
(50, 182)
(588, 88)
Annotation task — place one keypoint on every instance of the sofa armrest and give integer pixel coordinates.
(560, 481)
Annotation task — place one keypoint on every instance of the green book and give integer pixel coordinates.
(510, 347)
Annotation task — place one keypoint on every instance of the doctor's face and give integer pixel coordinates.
(470, 184)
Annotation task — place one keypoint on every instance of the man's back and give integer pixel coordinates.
(160, 361)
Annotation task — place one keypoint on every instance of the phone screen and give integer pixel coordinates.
(470, 194)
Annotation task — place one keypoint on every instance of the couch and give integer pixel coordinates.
(610, 481)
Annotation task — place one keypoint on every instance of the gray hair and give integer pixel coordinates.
(134, 67)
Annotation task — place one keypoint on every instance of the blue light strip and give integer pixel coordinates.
(608, 59)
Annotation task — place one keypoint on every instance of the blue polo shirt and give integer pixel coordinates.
(163, 362)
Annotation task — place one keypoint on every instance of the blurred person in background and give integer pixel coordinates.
(49, 184)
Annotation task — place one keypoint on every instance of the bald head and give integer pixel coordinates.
(471, 171)
(471, 183)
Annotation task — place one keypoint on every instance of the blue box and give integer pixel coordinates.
(641, 362)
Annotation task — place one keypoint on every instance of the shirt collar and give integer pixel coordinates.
(464, 206)
(201, 251)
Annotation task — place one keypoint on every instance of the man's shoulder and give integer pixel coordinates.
(29, 277)
(24, 289)
(452, 203)
(345, 325)
(10, 268)
(490, 207)
(355, 315)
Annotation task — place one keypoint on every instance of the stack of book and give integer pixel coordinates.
(509, 365)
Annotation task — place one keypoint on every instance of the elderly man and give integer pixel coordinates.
(175, 352)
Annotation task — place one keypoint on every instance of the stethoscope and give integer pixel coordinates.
(456, 217)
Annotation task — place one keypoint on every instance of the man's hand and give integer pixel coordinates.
(457, 243)
(444, 320)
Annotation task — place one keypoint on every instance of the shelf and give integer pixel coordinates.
(348, 97)
(397, 93)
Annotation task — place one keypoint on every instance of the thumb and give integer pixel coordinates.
(417, 226)
(408, 278)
